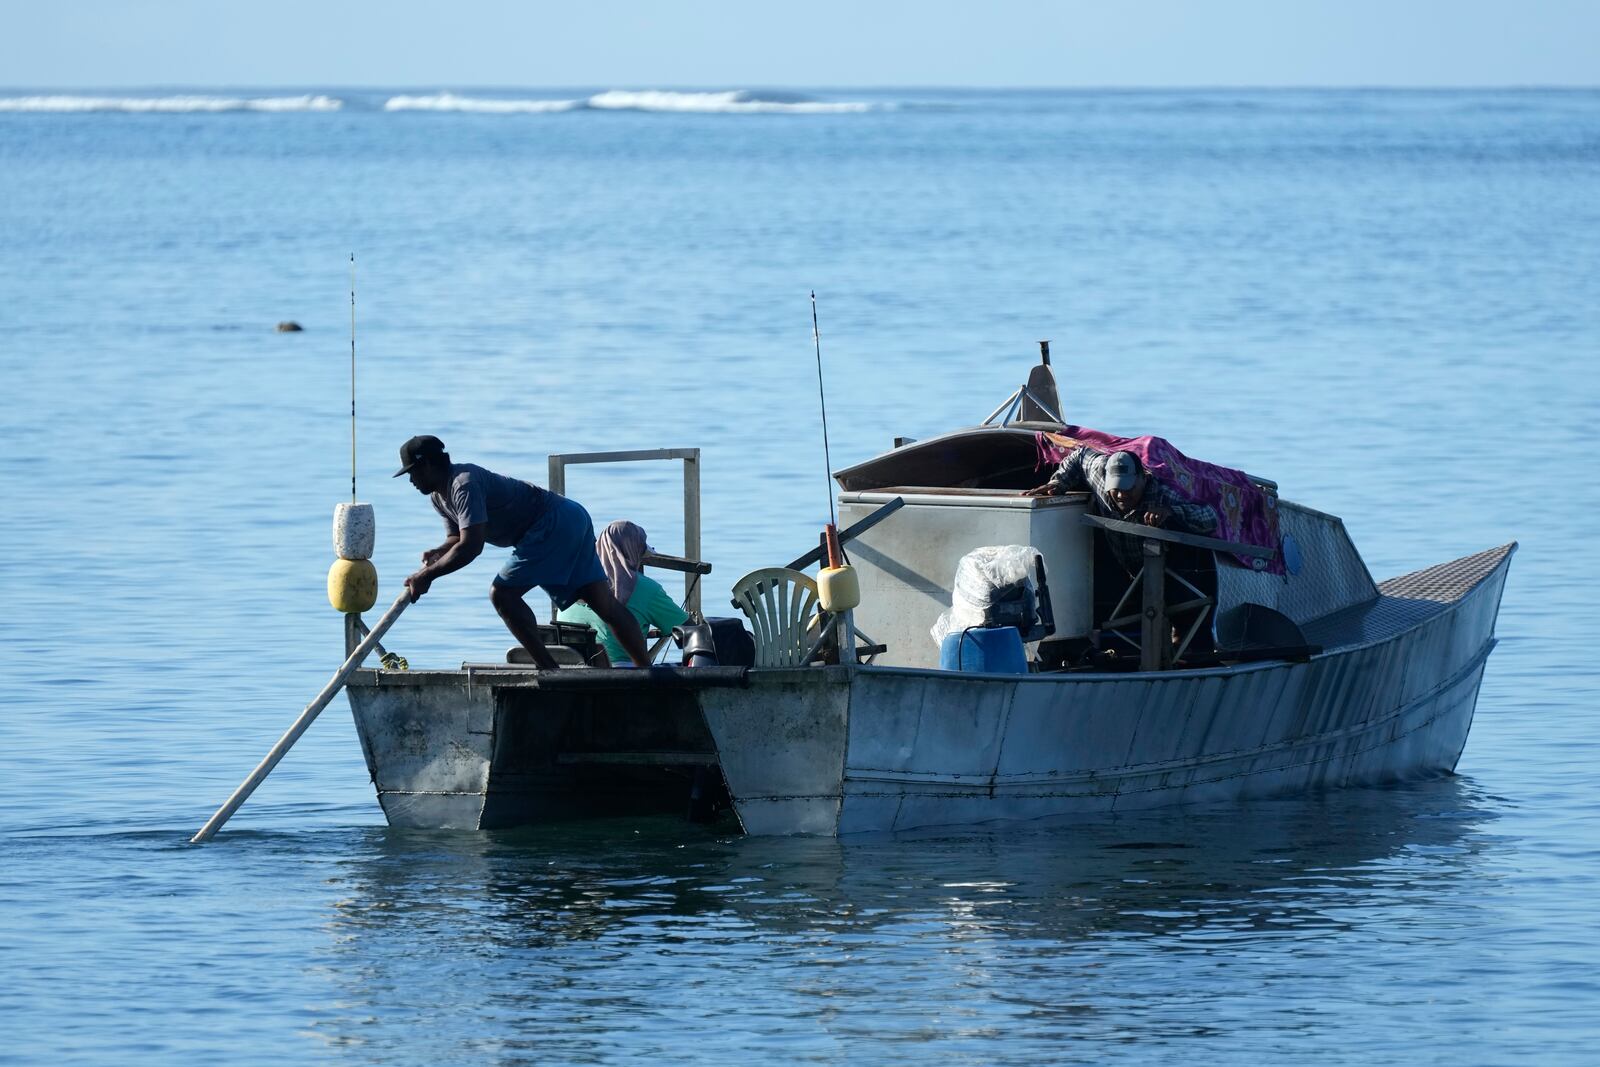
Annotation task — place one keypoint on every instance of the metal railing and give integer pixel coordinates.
(689, 563)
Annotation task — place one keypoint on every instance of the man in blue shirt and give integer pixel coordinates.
(551, 540)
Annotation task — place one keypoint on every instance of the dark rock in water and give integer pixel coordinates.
(289, 326)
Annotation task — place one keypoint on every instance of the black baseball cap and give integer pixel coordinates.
(425, 446)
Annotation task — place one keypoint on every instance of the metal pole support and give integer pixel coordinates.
(1155, 639)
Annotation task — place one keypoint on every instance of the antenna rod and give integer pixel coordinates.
(352, 377)
(816, 336)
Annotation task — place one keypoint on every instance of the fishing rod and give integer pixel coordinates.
(816, 337)
(352, 377)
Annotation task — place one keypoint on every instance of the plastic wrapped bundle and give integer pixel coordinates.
(993, 587)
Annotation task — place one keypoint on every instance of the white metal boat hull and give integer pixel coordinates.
(847, 750)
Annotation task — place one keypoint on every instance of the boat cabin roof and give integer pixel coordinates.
(988, 457)
(982, 457)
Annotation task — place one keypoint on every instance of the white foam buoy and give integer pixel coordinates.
(354, 531)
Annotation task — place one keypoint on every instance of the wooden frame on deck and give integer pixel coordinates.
(1155, 614)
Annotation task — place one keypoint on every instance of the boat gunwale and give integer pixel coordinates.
(514, 677)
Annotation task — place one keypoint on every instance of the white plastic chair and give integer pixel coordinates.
(780, 604)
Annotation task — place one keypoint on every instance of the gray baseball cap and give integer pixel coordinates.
(1122, 470)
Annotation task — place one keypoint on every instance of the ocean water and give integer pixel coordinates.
(1387, 301)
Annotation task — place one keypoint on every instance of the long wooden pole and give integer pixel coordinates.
(313, 709)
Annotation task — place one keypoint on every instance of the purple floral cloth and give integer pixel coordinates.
(1246, 513)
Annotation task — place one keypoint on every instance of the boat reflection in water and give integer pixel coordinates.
(586, 933)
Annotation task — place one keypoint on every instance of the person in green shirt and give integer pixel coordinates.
(621, 547)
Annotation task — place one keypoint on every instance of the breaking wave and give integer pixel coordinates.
(179, 104)
(726, 102)
(737, 101)
(480, 104)
(733, 102)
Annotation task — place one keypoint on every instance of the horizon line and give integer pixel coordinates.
(444, 86)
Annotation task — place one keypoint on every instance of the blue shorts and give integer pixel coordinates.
(556, 553)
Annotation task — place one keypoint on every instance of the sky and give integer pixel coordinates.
(818, 43)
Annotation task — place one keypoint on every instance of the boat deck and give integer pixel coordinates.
(1405, 602)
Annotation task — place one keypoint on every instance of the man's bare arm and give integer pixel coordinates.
(466, 548)
(433, 555)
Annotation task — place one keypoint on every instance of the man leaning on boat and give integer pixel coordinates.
(551, 540)
(1124, 490)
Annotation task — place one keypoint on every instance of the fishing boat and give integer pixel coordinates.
(1278, 667)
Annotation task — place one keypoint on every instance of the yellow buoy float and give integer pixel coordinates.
(838, 587)
(352, 585)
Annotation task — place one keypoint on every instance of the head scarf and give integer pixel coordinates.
(622, 547)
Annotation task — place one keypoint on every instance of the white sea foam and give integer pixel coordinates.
(737, 101)
(183, 104)
(728, 102)
(481, 104)
(295, 103)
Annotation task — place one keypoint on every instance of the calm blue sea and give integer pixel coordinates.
(1387, 301)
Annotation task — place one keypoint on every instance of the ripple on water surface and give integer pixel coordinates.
(1382, 300)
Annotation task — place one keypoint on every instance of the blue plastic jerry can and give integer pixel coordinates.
(984, 650)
